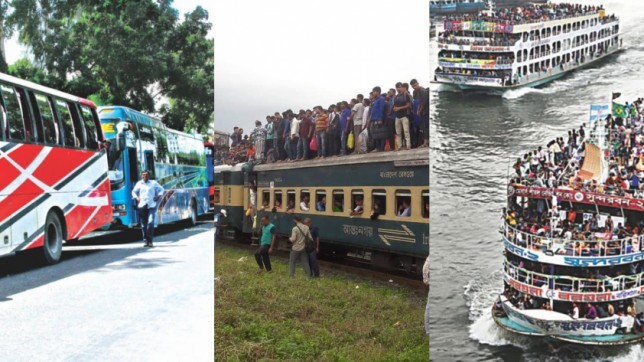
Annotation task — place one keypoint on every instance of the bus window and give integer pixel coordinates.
(305, 200)
(149, 164)
(403, 203)
(43, 107)
(79, 129)
(338, 201)
(266, 199)
(90, 127)
(379, 201)
(278, 200)
(30, 132)
(15, 129)
(290, 200)
(320, 200)
(425, 211)
(70, 137)
(357, 202)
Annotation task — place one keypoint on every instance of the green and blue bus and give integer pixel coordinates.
(176, 160)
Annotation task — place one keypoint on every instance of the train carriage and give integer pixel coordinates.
(383, 181)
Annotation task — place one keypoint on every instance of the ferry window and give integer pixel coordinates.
(290, 200)
(43, 107)
(379, 201)
(338, 201)
(403, 203)
(357, 202)
(90, 127)
(278, 200)
(15, 129)
(70, 138)
(519, 56)
(266, 199)
(425, 211)
(320, 200)
(305, 200)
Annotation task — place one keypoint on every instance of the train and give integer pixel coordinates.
(327, 191)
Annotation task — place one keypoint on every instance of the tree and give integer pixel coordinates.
(123, 52)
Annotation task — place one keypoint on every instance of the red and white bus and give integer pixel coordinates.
(54, 183)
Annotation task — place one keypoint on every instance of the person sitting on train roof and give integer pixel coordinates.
(359, 209)
(304, 205)
(404, 209)
(321, 205)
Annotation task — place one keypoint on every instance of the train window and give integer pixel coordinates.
(290, 200)
(379, 201)
(217, 192)
(266, 199)
(305, 200)
(425, 210)
(357, 202)
(320, 200)
(278, 200)
(403, 203)
(15, 129)
(338, 201)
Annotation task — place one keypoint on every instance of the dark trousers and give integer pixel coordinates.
(269, 145)
(333, 143)
(390, 123)
(313, 264)
(146, 218)
(279, 148)
(262, 257)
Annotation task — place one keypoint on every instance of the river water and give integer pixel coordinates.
(473, 140)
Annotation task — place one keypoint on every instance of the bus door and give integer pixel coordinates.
(131, 177)
(5, 240)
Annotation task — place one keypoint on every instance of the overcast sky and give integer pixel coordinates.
(272, 55)
(15, 51)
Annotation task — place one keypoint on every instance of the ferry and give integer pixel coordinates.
(573, 239)
(501, 49)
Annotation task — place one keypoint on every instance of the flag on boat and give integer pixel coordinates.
(616, 95)
(619, 110)
(598, 112)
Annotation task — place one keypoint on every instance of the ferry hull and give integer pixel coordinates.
(498, 89)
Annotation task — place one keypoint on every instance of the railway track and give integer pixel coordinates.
(348, 265)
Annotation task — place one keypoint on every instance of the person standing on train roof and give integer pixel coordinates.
(269, 134)
(147, 192)
(357, 111)
(313, 255)
(378, 132)
(306, 131)
(321, 125)
(422, 94)
(390, 119)
(258, 136)
(345, 124)
(278, 134)
(288, 118)
(266, 245)
(299, 234)
(401, 109)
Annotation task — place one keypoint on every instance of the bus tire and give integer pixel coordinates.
(53, 239)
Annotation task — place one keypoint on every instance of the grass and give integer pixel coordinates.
(338, 317)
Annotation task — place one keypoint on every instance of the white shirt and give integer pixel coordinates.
(146, 192)
(303, 206)
(575, 312)
(358, 113)
(295, 127)
(365, 115)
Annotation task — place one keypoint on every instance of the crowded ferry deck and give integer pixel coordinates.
(500, 49)
(573, 233)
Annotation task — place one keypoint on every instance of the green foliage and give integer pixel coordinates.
(272, 317)
(123, 52)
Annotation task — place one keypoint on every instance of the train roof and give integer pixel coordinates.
(414, 157)
(228, 168)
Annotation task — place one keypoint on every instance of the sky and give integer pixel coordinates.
(278, 54)
(15, 51)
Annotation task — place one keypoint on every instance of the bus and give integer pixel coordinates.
(176, 160)
(54, 184)
(209, 149)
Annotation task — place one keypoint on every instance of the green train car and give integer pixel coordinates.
(327, 191)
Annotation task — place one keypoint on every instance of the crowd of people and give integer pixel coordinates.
(529, 14)
(395, 120)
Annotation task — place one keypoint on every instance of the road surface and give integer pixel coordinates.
(110, 299)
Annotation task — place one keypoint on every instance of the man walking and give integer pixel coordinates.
(266, 245)
(147, 192)
(298, 251)
(313, 255)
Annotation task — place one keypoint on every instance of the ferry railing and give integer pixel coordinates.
(531, 21)
(580, 248)
(568, 283)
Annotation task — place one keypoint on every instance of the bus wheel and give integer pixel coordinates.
(193, 214)
(53, 244)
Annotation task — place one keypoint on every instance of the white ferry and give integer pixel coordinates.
(574, 240)
(523, 46)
